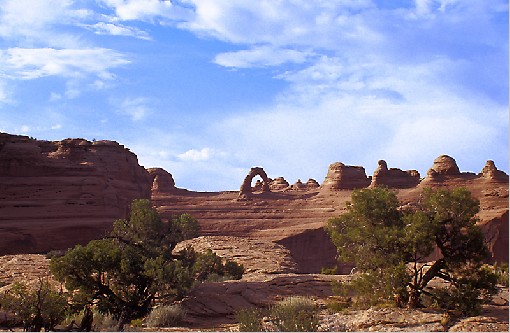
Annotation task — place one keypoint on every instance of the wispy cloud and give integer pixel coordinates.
(104, 28)
(137, 108)
(195, 155)
(146, 10)
(27, 63)
(260, 56)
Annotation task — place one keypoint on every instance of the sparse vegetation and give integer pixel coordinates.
(250, 320)
(165, 316)
(329, 270)
(125, 273)
(502, 274)
(292, 314)
(42, 306)
(381, 240)
(295, 314)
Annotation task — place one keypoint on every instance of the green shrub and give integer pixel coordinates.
(250, 320)
(234, 269)
(502, 273)
(295, 314)
(329, 270)
(137, 322)
(338, 304)
(104, 322)
(165, 316)
(40, 307)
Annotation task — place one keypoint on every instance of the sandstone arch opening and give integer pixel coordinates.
(246, 189)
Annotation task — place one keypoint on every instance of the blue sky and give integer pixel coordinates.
(209, 88)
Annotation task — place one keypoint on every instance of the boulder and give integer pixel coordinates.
(341, 176)
(394, 178)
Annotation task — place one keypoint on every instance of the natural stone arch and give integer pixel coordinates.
(245, 190)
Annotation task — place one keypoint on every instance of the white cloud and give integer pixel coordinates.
(34, 22)
(146, 10)
(25, 63)
(280, 22)
(136, 108)
(194, 155)
(55, 97)
(24, 129)
(103, 28)
(260, 56)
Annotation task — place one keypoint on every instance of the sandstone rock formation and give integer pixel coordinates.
(444, 165)
(312, 184)
(246, 189)
(55, 194)
(490, 172)
(258, 257)
(341, 176)
(278, 184)
(394, 178)
(299, 184)
(162, 180)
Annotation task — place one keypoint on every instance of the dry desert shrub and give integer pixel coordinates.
(295, 314)
(165, 316)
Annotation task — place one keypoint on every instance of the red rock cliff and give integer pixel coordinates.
(56, 194)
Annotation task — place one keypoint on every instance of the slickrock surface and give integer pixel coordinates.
(212, 305)
(54, 195)
(257, 256)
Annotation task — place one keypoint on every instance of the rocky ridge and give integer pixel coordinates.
(55, 194)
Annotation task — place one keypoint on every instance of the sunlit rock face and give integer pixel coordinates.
(393, 177)
(341, 176)
(444, 165)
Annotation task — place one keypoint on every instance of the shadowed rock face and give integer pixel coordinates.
(341, 176)
(57, 194)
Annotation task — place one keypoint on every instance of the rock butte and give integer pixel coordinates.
(54, 195)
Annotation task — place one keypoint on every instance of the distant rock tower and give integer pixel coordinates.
(490, 172)
(341, 176)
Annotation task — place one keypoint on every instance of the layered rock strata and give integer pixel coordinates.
(278, 184)
(55, 194)
(394, 178)
(444, 165)
(345, 177)
(490, 172)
